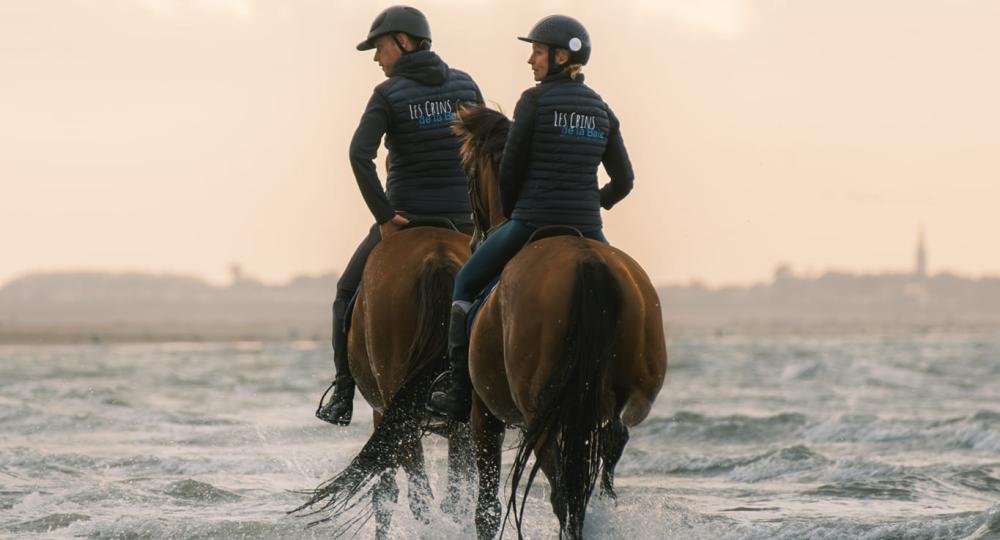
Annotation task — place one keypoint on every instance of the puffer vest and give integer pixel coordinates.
(425, 175)
(570, 135)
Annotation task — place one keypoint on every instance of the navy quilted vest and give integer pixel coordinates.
(425, 174)
(560, 182)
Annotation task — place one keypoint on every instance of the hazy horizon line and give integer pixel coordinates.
(800, 273)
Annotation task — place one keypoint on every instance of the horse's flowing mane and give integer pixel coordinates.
(483, 132)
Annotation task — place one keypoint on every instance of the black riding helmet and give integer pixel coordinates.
(562, 32)
(405, 19)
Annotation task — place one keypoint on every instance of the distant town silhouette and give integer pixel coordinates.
(95, 306)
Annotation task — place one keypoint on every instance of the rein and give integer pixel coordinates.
(480, 207)
(480, 214)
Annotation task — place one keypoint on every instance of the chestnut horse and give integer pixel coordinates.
(396, 346)
(570, 347)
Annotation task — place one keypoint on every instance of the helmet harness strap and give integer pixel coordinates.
(402, 50)
(554, 67)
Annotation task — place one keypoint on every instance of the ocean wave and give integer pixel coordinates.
(48, 523)
(638, 462)
(732, 428)
(940, 527)
(195, 491)
(756, 467)
(31, 463)
(850, 477)
(979, 431)
(130, 492)
(650, 517)
(779, 463)
(978, 478)
(900, 489)
(207, 529)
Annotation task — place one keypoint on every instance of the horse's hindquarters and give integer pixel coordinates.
(413, 267)
(521, 330)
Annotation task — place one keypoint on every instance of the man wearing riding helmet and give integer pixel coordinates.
(562, 131)
(413, 109)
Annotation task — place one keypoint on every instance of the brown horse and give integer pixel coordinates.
(396, 345)
(570, 347)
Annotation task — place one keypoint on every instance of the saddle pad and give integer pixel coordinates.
(477, 304)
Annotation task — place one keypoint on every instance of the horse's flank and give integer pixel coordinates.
(386, 324)
(509, 369)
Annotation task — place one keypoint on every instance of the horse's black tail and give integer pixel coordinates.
(401, 424)
(574, 411)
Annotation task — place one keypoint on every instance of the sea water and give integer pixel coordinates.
(874, 437)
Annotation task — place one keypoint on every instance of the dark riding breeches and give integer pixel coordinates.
(351, 278)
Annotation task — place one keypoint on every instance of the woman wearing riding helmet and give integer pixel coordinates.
(413, 109)
(562, 131)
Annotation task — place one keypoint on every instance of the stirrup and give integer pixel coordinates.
(451, 415)
(323, 398)
(461, 416)
(322, 411)
(437, 383)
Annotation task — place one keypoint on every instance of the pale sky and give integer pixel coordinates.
(181, 136)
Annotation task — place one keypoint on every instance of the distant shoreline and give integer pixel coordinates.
(79, 308)
(43, 335)
(124, 333)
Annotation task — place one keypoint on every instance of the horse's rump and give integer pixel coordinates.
(405, 290)
(521, 329)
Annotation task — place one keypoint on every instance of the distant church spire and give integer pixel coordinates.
(920, 268)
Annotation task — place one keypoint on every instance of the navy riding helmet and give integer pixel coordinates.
(405, 19)
(562, 32)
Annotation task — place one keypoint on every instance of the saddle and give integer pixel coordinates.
(431, 221)
(550, 231)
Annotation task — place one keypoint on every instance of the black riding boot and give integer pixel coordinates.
(339, 409)
(455, 401)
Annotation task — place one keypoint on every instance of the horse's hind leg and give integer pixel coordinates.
(461, 471)
(384, 496)
(487, 437)
(614, 446)
(557, 498)
(384, 499)
(420, 494)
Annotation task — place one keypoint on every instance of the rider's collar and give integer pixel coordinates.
(562, 76)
